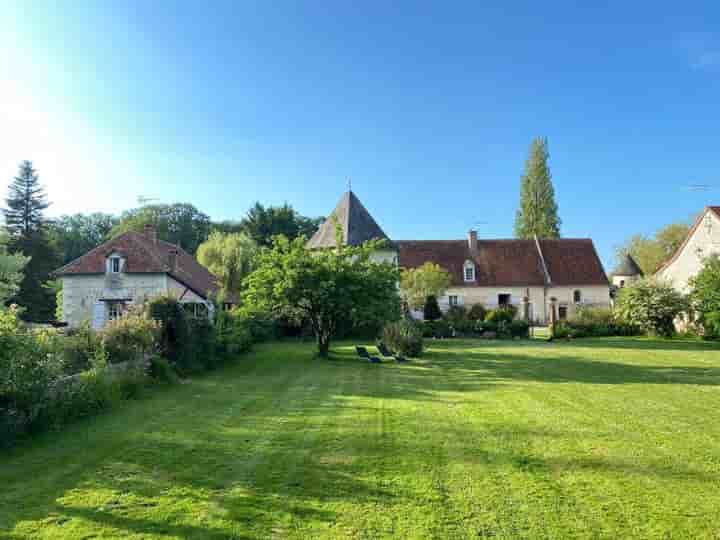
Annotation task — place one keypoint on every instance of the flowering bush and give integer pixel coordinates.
(130, 337)
(651, 306)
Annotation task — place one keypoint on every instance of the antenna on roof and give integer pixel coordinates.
(142, 200)
(699, 187)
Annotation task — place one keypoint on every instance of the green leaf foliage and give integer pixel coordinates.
(230, 257)
(705, 296)
(650, 305)
(417, 284)
(538, 211)
(324, 287)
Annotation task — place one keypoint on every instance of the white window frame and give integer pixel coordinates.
(113, 262)
(469, 266)
(115, 310)
(577, 292)
(456, 301)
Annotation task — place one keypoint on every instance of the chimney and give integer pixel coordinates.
(172, 259)
(472, 241)
(150, 232)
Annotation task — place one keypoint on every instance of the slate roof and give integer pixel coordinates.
(510, 262)
(627, 267)
(357, 225)
(144, 255)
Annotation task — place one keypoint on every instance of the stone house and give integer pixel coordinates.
(488, 272)
(626, 272)
(702, 240)
(130, 268)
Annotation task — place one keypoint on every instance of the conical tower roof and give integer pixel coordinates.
(357, 225)
(627, 267)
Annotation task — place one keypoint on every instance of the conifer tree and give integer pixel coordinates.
(538, 211)
(26, 223)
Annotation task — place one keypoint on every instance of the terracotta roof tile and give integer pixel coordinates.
(509, 262)
(146, 256)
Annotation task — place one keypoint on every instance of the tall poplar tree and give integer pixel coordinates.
(538, 211)
(25, 221)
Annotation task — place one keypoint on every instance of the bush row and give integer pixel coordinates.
(48, 379)
(476, 322)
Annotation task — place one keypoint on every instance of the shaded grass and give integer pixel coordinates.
(602, 438)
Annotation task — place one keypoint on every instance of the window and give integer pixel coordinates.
(115, 265)
(577, 297)
(562, 312)
(453, 300)
(622, 283)
(115, 310)
(469, 271)
(196, 310)
(503, 299)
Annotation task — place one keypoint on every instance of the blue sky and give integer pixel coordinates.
(428, 107)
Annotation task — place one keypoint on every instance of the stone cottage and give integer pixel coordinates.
(488, 272)
(103, 283)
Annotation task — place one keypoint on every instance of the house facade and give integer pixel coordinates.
(129, 269)
(702, 240)
(565, 273)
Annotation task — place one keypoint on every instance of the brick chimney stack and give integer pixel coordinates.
(151, 233)
(472, 241)
(172, 259)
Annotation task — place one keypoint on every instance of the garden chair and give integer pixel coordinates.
(365, 355)
(387, 353)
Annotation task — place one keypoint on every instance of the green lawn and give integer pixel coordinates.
(616, 438)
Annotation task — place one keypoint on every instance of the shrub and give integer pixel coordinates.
(501, 314)
(404, 337)
(201, 350)
(457, 319)
(234, 332)
(175, 330)
(594, 316)
(161, 370)
(477, 312)
(431, 310)
(519, 329)
(130, 337)
(436, 329)
(651, 305)
(705, 297)
(78, 349)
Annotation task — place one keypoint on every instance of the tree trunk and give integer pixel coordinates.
(323, 345)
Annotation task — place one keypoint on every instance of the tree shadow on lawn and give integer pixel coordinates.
(452, 368)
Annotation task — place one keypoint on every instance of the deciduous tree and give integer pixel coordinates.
(326, 287)
(230, 257)
(417, 284)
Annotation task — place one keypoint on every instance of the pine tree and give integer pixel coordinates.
(538, 212)
(26, 203)
(26, 223)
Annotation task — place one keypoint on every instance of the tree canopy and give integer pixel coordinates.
(178, 223)
(230, 257)
(11, 270)
(77, 234)
(324, 287)
(705, 296)
(417, 284)
(262, 223)
(650, 252)
(538, 211)
(27, 225)
(26, 202)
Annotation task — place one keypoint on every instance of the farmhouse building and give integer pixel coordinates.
(130, 268)
(566, 273)
(702, 241)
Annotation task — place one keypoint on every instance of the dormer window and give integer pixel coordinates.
(114, 264)
(469, 271)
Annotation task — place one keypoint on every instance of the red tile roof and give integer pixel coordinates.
(509, 262)
(144, 255)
